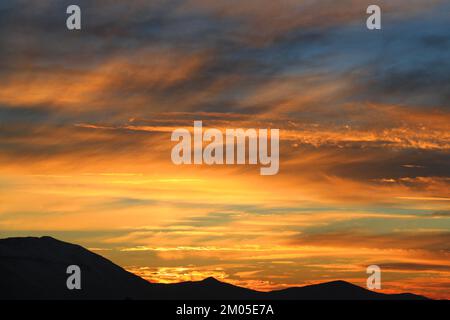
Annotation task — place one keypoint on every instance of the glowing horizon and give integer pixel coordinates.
(364, 173)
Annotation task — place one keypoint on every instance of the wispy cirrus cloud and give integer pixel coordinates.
(85, 122)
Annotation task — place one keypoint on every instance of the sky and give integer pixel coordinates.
(364, 117)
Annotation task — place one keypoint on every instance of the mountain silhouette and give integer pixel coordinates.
(35, 268)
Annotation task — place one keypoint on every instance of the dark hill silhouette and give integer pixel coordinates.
(35, 268)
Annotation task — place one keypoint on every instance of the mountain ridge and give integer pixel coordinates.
(35, 268)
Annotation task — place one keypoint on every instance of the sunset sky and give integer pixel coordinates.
(364, 117)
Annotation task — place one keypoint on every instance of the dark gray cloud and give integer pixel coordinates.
(414, 267)
(436, 241)
(118, 29)
(211, 219)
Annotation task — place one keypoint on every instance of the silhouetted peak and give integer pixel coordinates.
(32, 239)
(210, 280)
(339, 283)
(48, 238)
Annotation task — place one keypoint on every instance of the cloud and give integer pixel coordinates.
(414, 267)
(86, 117)
(432, 241)
(442, 213)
